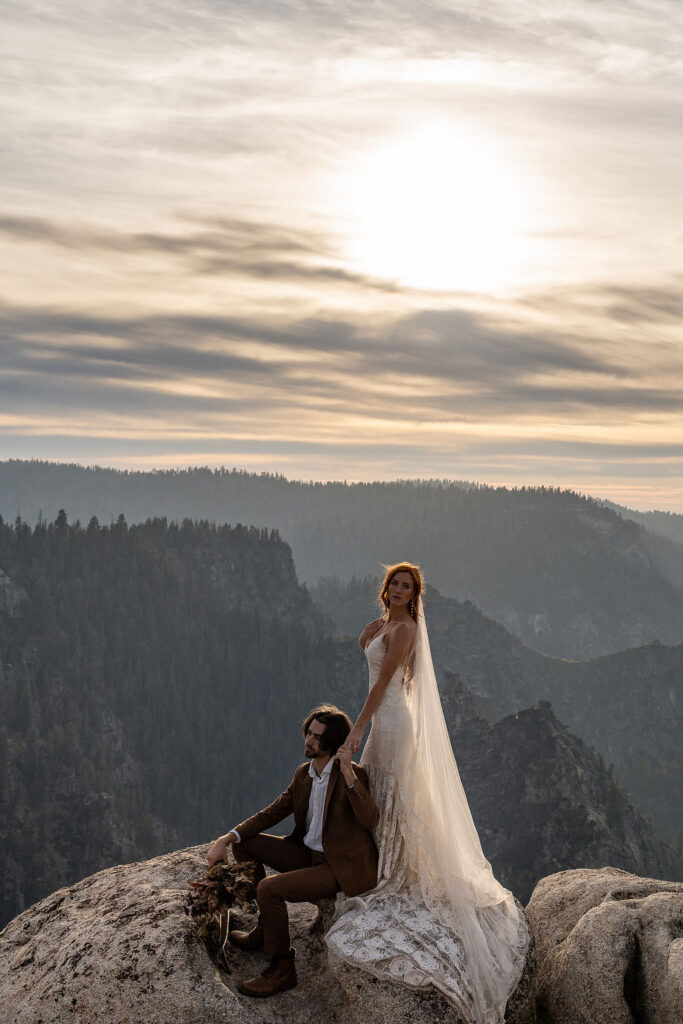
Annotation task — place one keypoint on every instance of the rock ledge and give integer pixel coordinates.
(610, 948)
(117, 948)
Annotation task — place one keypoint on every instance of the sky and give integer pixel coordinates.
(347, 240)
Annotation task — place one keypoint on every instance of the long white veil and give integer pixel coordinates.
(454, 875)
(451, 861)
(438, 916)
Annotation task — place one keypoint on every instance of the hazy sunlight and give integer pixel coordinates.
(439, 210)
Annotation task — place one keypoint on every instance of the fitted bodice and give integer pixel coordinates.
(391, 734)
(374, 652)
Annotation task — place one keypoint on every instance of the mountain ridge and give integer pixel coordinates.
(146, 665)
(567, 575)
(625, 705)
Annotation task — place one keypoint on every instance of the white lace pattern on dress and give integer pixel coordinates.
(438, 916)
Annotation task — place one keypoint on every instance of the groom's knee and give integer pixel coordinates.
(268, 889)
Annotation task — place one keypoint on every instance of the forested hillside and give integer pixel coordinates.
(541, 799)
(144, 674)
(662, 539)
(152, 683)
(628, 706)
(567, 575)
(664, 524)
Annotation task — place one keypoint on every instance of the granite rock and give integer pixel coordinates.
(609, 947)
(117, 948)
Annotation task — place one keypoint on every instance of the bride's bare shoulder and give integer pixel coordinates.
(402, 634)
(370, 631)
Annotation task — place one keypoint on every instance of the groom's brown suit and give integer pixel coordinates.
(348, 861)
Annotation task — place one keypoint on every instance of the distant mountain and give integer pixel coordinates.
(665, 524)
(628, 706)
(143, 666)
(541, 798)
(565, 574)
(663, 539)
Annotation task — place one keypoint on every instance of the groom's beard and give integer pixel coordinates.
(312, 752)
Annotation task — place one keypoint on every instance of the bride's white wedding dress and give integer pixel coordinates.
(438, 916)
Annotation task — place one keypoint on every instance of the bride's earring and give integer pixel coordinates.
(411, 608)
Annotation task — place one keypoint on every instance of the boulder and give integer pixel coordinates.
(609, 947)
(117, 948)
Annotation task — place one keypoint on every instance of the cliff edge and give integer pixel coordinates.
(117, 948)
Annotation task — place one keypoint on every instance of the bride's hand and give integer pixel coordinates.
(343, 756)
(353, 740)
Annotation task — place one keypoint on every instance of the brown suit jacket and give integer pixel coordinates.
(348, 817)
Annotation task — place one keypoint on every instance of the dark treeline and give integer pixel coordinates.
(139, 670)
(567, 575)
(153, 679)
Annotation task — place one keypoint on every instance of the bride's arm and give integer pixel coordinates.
(398, 643)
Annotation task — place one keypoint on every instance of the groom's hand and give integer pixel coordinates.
(343, 755)
(219, 850)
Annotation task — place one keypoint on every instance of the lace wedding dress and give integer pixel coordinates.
(438, 916)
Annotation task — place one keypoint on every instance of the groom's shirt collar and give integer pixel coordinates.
(326, 770)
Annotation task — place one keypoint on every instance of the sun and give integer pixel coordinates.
(439, 210)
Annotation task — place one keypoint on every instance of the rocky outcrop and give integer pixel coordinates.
(609, 947)
(541, 799)
(118, 947)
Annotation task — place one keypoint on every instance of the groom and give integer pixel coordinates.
(330, 849)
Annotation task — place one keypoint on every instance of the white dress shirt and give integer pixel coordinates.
(316, 805)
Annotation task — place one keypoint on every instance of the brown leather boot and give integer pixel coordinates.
(278, 977)
(247, 940)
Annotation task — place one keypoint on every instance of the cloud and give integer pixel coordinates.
(227, 247)
(433, 367)
(175, 180)
(647, 305)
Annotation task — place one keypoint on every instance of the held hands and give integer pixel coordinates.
(219, 850)
(353, 740)
(343, 755)
(346, 752)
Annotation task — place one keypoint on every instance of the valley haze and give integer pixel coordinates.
(139, 628)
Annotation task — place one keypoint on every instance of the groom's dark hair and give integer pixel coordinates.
(337, 726)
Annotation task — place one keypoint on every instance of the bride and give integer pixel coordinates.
(438, 916)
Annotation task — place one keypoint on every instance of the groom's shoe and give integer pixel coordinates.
(279, 976)
(247, 940)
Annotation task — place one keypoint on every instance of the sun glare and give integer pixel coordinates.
(440, 211)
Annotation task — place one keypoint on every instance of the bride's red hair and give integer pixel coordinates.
(391, 571)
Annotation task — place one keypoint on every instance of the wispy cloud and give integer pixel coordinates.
(179, 275)
(438, 365)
